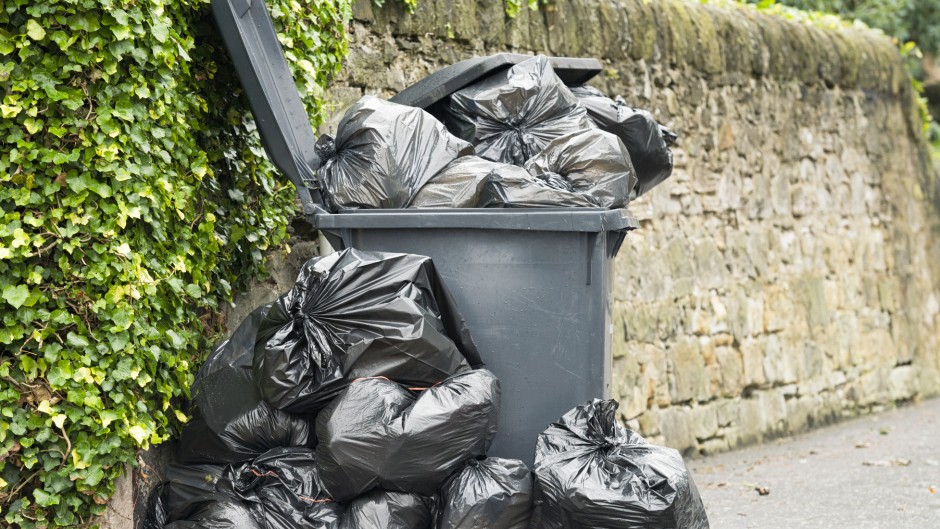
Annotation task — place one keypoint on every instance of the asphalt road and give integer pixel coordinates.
(879, 471)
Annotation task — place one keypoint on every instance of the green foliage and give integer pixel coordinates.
(134, 194)
(514, 7)
(906, 20)
(410, 5)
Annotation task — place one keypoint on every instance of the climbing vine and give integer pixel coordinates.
(134, 198)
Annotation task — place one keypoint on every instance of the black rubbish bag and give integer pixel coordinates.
(510, 189)
(192, 498)
(380, 434)
(490, 493)
(382, 154)
(511, 116)
(382, 509)
(647, 141)
(283, 486)
(156, 516)
(219, 513)
(473, 182)
(591, 163)
(230, 421)
(357, 314)
(187, 486)
(461, 184)
(591, 473)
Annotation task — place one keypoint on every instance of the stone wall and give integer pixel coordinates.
(787, 274)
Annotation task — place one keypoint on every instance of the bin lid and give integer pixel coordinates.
(265, 76)
(446, 81)
(529, 219)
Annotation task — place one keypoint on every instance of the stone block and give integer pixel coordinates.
(703, 422)
(752, 361)
(689, 379)
(732, 371)
(674, 423)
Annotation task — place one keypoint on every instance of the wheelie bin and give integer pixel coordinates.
(533, 284)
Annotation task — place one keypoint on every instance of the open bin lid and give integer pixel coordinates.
(282, 120)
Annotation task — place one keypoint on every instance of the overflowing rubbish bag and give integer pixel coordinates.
(587, 168)
(389, 510)
(491, 493)
(358, 314)
(464, 183)
(512, 115)
(378, 433)
(591, 473)
(473, 182)
(590, 163)
(228, 424)
(382, 154)
(647, 141)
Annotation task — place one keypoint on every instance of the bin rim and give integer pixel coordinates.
(593, 220)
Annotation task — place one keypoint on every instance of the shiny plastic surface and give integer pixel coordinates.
(589, 163)
(591, 473)
(491, 493)
(221, 513)
(359, 314)
(462, 183)
(379, 434)
(389, 510)
(647, 141)
(230, 421)
(382, 154)
(511, 116)
(283, 487)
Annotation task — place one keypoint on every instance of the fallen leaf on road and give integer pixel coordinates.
(763, 491)
(722, 484)
(885, 431)
(863, 444)
(932, 490)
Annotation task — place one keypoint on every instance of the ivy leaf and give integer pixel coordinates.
(138, 433)
(94, 476)
(160, 31)
(16, 295)
(44, 499)
(33, 125)
(6, 44)
(76, 340)
(175, 339)
(35, 31)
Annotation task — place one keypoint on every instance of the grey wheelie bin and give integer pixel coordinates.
(533, 284)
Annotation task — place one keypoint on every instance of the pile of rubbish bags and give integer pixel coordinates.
(519, 138)
(357, 400)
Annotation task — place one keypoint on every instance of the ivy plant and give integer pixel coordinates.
(135, 198)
